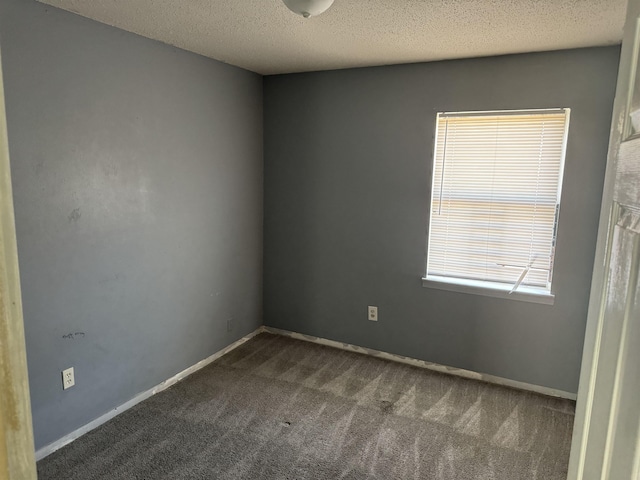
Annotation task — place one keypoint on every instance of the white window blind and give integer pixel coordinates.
(497, 178)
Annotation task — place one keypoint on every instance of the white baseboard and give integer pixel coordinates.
(52, 447)
(428, 365)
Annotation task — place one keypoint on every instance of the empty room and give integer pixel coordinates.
(319, 239)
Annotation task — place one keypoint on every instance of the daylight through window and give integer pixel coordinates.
(495, 198)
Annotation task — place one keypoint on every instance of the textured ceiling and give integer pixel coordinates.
(265, 37)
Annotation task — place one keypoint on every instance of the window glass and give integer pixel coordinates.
(495, 198)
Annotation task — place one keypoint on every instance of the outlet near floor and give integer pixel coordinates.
(68, 378)
(372, 313)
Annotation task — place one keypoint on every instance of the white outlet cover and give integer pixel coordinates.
(68, 378)
(372, 313)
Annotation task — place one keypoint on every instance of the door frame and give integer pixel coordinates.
(17, 455)
(596, 321)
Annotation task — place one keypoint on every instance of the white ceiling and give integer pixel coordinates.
(265, 37)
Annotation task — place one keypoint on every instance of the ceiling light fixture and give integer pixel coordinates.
(308, 8)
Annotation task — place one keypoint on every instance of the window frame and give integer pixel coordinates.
(542, 295)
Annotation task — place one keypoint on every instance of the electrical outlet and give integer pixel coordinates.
(229, 324)
(373, 313)
(68, 378)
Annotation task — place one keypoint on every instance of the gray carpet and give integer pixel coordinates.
(278, 408)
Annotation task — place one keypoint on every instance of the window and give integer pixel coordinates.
(495, 198)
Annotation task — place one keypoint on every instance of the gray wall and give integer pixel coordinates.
(137, 173)
(347, 176)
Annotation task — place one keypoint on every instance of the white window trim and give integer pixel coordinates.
(523, 293)
(490, 289)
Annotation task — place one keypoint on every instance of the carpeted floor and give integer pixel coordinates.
(278, 408)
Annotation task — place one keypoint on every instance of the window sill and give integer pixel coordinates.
(476, 287)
